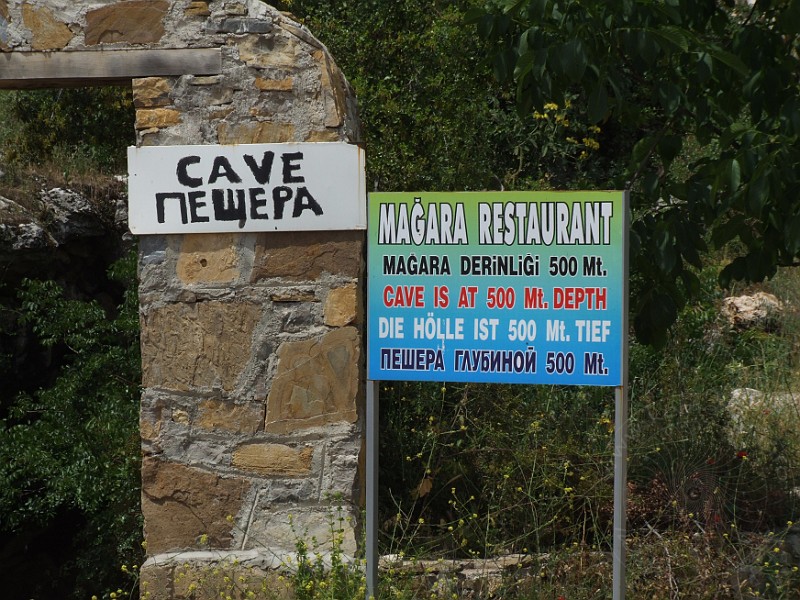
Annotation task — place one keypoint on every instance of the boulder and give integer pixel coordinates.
(760, 309)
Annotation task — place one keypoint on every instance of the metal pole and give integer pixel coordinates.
(620, 489)
(372, 489)
(621, 427)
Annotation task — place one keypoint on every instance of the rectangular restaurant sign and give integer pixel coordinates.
(504, 287)
(246, 187)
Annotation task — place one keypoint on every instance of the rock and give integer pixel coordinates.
(761, 423)
(341, 307)
(746, 401)
(316, 382)
(757, 310)
(70, 216)
(135, 22)
(48, 32)
(197, 346)
(273, 459)
(181, 503)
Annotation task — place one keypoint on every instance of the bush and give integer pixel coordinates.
(69, 451)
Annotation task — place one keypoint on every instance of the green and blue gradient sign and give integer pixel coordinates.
(504, 287)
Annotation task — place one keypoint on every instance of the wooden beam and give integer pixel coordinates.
(70, 68)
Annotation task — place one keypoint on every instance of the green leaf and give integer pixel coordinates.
(536, 9)
(647, 46)
(657, 313)
(665, 256)
(598, 104)
(503, 64)
(789, 20)
(512, 5)
(486, 26)
(473, 15)
(733, 133)
(669, 96)
(650, 185)
(757, 195)
(669, 146)
(704, 67)
(792, 235)
(689, 242)
(691, 282)
(734, 175)
(727, 231)
(759, 265)
(736, 270)
(671, 36)
(529, 40)
(540, 64)
(640, 153)
(728, 59)
(524, 65)
(573, 59)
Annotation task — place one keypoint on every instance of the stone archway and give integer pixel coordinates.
(251, 343)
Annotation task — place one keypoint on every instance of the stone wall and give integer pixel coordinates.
(252, 345)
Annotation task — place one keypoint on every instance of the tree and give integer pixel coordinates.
(69, 451)
(433, 118)
(706, 92)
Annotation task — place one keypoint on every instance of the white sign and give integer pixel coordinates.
(246, 187)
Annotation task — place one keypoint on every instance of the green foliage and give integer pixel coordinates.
(80, 129)
(676, 73)
(486, 470)
(72, 448)
(321, 571)
(433, 120)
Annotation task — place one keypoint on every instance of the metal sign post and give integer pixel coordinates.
(621, 432)
(372, 488)
(620, 489)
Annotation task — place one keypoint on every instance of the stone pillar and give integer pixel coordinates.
(252, 344)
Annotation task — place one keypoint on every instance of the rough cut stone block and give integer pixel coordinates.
(150, 92)
(205, 80)
(306, 255)
(156, 582)
(342, 472)
(341, 307)
(150, 425)
(133, 21)
(263, 52)
(275, 85)
(274, 459)
(332, 90)
(282, 528)
(328, 135)
(235, 8)
(4, 9)
(293, 295)
(316, 382)
(147, 118)
(263, 132)
(181, 503)
(234, 418)
(240, 26)
(48, 32)
(204, 345)
(198, 8)
(220, 113)
(208, 258)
